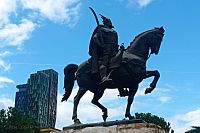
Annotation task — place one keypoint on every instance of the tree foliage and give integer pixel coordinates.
(148, 117)
(194, 129)
(13, 121)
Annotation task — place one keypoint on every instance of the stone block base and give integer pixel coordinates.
(125, 126)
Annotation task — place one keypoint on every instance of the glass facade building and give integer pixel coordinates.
(21, 99)
(40, 96)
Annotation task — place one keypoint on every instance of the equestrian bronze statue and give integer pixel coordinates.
(114, 68)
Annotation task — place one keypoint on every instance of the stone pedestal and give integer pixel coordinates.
(124, 126)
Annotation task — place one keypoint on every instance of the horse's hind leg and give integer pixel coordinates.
(95, 101)
(77, 98)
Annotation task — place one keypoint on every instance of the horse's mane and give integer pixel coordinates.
(155, 29)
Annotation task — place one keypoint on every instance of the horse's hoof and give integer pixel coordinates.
(127, 115)
(148, 90)
(104, 117)
(64, 98)
(130, 117)
(105, 114)
(77, 122)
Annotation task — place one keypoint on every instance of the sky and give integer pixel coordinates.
(43, 34)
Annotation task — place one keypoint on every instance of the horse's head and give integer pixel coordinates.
(155, 38)
(149, 40)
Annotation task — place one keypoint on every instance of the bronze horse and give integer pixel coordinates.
(128, 75)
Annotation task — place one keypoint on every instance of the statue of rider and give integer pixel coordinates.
(103, 45)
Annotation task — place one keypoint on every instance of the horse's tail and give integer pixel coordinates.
(69, 78)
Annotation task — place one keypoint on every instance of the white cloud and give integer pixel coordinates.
(5, 80)
(3, 65)
(183, 122)
(16, 27)
(7, 7)
(62, 11)
(87, 112)
(15, 35)
(139, 3)
(164, 99)
(140, 92)
(10, 33)
(5, 53)
(192, 118)
(5, 102)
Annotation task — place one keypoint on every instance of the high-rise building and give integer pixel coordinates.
(21, 98)
(40, 92)
(52, 96)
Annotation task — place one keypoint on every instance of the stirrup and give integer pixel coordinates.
(105, 82)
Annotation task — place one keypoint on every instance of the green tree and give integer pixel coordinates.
(13, 121)
(148, 117)
(194, 129)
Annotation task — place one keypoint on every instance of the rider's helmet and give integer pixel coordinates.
(107, 21)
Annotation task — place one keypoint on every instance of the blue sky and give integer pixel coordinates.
(43, 34)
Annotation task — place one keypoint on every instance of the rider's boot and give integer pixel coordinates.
(105, 80)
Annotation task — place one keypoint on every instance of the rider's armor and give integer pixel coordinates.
(110, 47)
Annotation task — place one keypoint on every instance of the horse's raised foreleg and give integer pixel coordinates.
(156, 75)
(77, 98)
(132, 92)
(95, 101)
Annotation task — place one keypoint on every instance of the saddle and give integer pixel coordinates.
(115, 62)
(134, 59)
